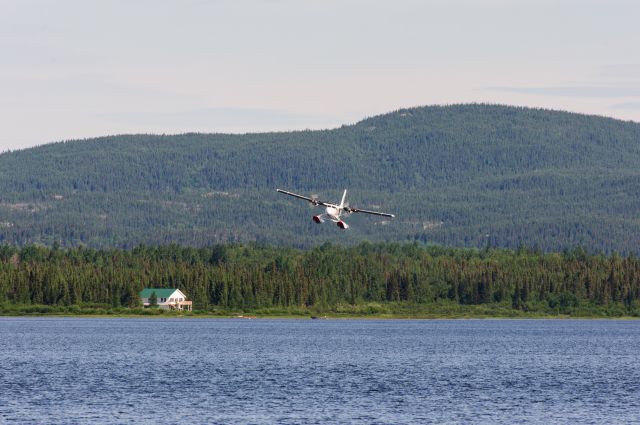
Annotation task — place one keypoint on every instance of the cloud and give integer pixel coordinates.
(629, 71)
(628, 106)
(574, 91)
(222, 119)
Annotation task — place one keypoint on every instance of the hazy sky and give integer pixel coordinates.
(78, 68)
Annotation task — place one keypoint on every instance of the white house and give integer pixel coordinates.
(167, 298)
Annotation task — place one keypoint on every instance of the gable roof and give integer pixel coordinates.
(160, 292)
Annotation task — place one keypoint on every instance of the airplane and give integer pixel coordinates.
(334, 212)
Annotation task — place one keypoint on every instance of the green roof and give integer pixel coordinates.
(160, 292)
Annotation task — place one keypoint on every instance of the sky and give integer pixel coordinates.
(74, 69)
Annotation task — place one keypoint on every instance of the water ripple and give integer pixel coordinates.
(81, 371)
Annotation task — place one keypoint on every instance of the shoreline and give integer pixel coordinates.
(369, 311)
(324, 317)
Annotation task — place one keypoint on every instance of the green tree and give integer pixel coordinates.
(153, 299)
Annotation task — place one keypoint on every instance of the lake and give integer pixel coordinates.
(204, 371)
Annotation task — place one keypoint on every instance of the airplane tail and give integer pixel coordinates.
(344, 196)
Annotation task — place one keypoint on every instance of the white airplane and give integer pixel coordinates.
(334, 212)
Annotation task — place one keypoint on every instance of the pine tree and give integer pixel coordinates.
(515, 299)
(153, 299)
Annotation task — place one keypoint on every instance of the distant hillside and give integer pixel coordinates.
(465, 175)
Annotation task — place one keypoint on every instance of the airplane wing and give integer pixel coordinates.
(295, 195)
(358, 210)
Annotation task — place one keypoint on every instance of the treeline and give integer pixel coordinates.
(251, 277)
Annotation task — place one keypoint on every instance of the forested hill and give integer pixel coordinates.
(465, 175)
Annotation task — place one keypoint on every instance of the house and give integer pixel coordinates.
(167, 298)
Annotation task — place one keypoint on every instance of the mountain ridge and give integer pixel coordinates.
(524, 177)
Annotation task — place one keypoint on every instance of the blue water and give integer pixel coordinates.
(201, 371)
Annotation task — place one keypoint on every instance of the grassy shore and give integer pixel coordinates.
(362, 311)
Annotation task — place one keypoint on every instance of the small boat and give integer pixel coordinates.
(318, 317)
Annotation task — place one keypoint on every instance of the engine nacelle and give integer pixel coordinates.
(341, 224)
(318, 219)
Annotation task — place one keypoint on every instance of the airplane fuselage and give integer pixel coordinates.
(333, 212)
